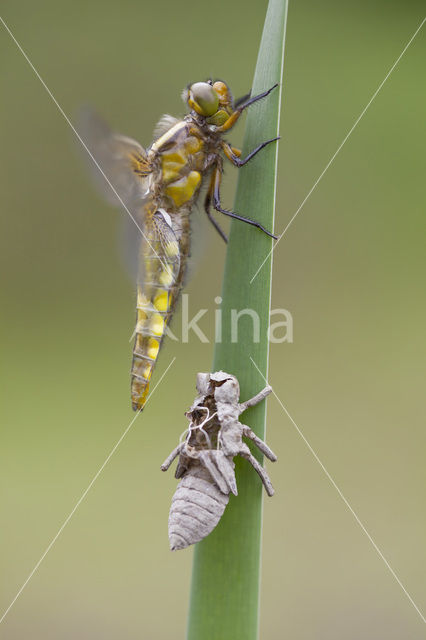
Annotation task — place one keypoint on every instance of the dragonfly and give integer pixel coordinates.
(159, 187)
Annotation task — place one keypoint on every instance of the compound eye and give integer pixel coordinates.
(203, 99)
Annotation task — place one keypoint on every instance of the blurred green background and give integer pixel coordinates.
(350, 270)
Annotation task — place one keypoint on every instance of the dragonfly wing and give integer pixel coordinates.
(118, 164)
(159, 265)
(167, 240)
(128, 247)
(165, 123)
(123, 174)
(128, 243)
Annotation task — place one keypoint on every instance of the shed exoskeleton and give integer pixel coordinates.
(205, 465)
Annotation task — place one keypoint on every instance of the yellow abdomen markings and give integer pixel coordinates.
(161, 300)
(156, 324)
(183, 190)
(166, 278)
(156, 296)
(150, 327)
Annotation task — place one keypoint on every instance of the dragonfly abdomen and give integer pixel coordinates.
(164, 263)
(197, 506)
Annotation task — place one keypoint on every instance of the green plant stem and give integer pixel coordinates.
(225, 581)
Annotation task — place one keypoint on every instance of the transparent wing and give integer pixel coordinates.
(118, 164)
(163, 233)
(160, 257)
(202, 235)
(165, 123)
(120, 172)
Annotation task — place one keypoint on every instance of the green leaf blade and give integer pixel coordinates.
(225, 581)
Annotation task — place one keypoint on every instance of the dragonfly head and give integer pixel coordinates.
(212, 100)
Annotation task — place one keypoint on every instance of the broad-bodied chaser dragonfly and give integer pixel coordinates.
(158, 187)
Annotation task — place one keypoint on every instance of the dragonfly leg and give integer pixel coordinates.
(207, 203)
(168, 461)
(234, 154)
(245, 453)
(239, 101)
(248, 433)
(216, 179)
(229, 123)
(256, 399)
